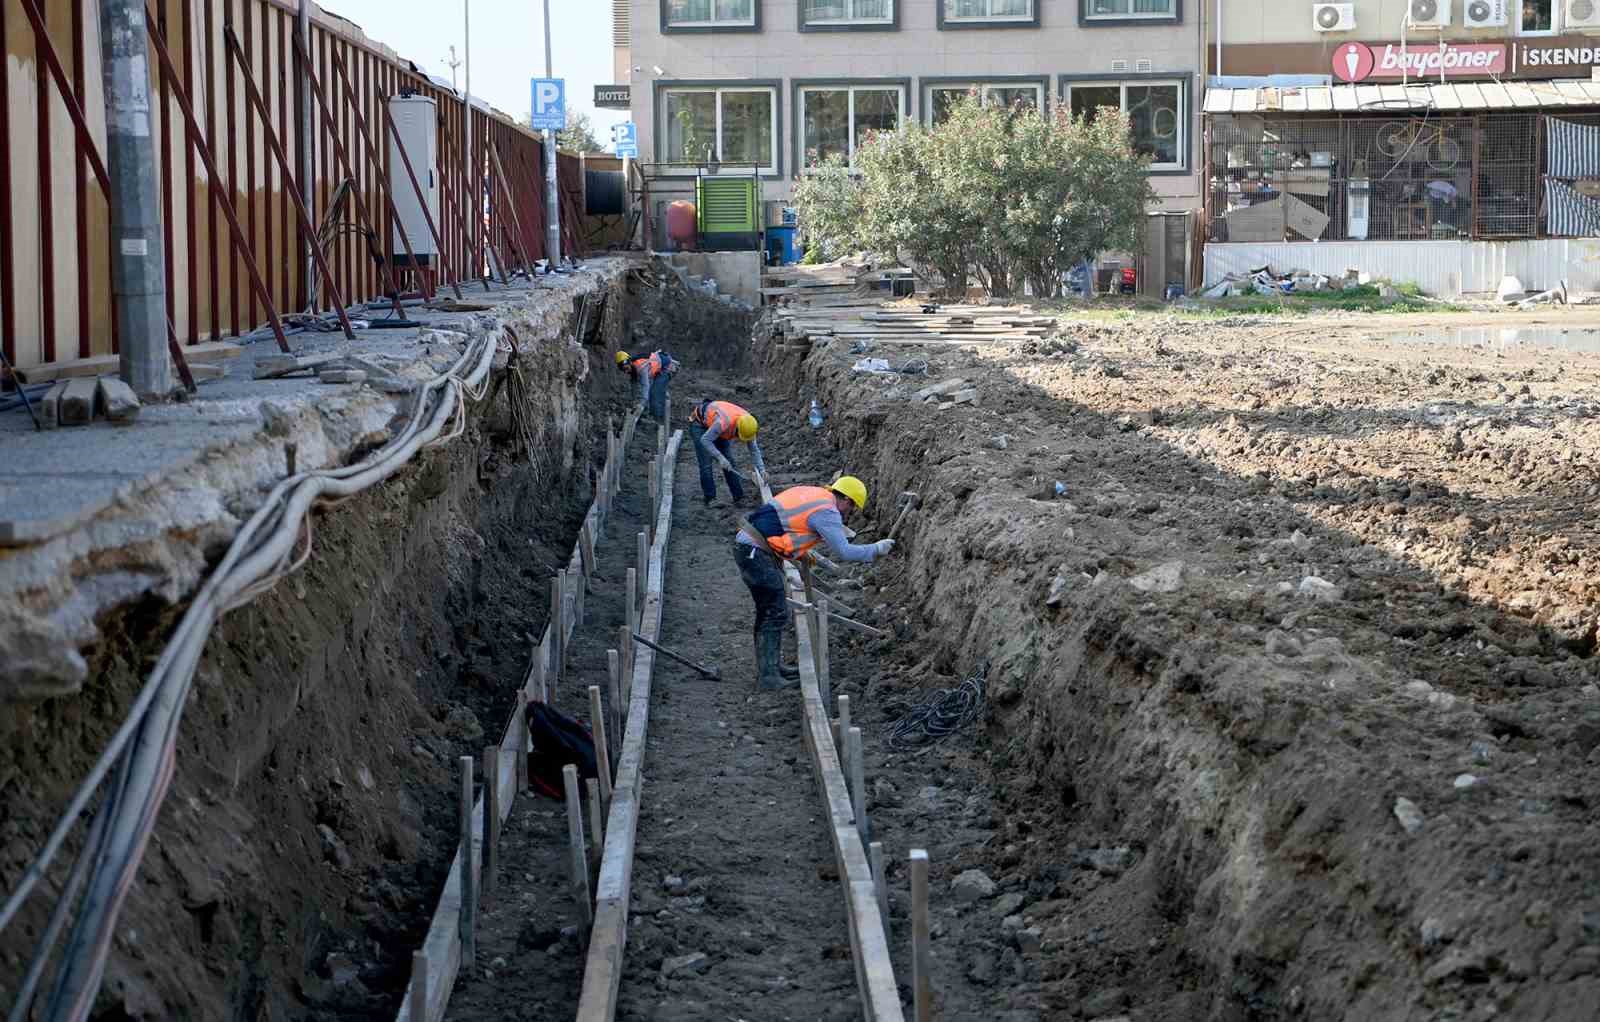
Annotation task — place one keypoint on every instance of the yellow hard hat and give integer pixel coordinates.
(850, 486)
(747, 427)
(622, 356)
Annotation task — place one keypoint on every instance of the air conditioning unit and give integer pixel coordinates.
(1582, 14)
(1333, 17)
(1484, 14)
(1430, 13)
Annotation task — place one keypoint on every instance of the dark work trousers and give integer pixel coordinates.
(763, 576)
(658, 395)
(708, 475)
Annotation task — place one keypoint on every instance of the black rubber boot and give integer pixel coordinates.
(767, 660)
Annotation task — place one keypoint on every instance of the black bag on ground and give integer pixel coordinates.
(557, 741)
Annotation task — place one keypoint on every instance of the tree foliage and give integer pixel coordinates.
(578, 135)
(1011, 195)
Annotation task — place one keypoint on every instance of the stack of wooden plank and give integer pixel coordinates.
(907, 324)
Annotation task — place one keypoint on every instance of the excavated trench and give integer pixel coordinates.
(301, 850)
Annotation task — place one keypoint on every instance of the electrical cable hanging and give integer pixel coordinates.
(940, 714)
(143, 747)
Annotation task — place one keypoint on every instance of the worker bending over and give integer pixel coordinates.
(720, 423)
(785, 528)
(653, 372)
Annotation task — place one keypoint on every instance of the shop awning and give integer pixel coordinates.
(1448, 97)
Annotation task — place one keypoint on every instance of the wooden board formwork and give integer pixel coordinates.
(602, 972)
(442, 945)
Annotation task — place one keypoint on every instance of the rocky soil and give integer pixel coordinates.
(1292, 708)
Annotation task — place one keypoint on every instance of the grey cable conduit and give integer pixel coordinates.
(116, 846)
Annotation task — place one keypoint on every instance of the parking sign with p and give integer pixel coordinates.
(549, 104)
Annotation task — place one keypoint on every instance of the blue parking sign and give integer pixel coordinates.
(549, 104)
(626, 139)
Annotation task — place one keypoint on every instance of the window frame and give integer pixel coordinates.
(1555, 28)
(890, 25)
(1088, 20)
(797, 104)
(926, 87)
(990, 21)
(668, 28)
(773, 86)
(1186, 85)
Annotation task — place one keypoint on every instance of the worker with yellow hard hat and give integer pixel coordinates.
(653, 372)
(717, 425)
(786, 528)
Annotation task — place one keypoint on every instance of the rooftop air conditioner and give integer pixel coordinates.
(1333, 17)
(1484, 14)
(1582, 14)
(1430, 13)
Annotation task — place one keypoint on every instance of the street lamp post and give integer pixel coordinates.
(552, 204)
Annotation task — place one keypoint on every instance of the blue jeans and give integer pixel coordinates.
(708, 475)
(763, 576)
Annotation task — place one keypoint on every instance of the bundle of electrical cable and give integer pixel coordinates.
(940, 714)
(142, 749)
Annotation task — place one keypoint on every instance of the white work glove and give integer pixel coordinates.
(882, 547)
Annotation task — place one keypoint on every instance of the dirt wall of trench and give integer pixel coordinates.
(300, 851)
(1240, 746)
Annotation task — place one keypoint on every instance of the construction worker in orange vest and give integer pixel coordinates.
(785, 528)
(654, 371)
(720, 423)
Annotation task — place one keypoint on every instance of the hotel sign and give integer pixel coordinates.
(613, 97)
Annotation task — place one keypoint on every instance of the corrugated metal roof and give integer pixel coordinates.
(1417, 96)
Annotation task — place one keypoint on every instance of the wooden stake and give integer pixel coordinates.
(586, 547)
(816, 648)
(631, 615)
(602, 750)
(842, 726)
(654, 486)
(491, 818)
(469, 887)
(858, 782)
(580, 865)
(880, 882)
(541, 688)
(824, 674)
(666, 406)
(619, 725)
(626, 650)
(643, 570)
(558, 628)
(419, 986)
(596, 838)
(921, 952)
(579, 592)
(661, 440)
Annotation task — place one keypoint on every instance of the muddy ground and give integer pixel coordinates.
(1293, 708)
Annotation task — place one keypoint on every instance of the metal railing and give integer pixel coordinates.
(228, 81)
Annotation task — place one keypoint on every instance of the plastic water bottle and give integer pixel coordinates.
(1061, 488)
(815, 416)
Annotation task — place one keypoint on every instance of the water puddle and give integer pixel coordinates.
(1493, 338)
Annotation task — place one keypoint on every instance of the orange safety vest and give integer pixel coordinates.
(653, 363)
(720, 418)
(795, 506)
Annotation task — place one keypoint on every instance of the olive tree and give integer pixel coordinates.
(1013, 195)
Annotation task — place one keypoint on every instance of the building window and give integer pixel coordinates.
(1118, 10)
(825, 13)
(736, 127)
(1155, 109)
(1537, 17)
(710, 14)
(983, 11)
(837, 120)
(1010, 95)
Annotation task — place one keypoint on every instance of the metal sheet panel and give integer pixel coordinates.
(1438, 267)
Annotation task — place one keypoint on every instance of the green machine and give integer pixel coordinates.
(728, 209)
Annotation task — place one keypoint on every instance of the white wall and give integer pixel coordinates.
(1442, 268)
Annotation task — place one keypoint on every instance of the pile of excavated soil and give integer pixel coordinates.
(1292, 707)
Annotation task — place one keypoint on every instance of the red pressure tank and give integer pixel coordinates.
(682, 224)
